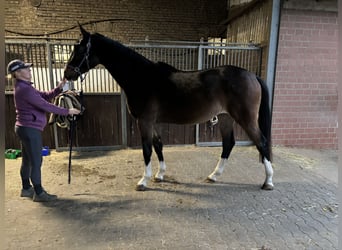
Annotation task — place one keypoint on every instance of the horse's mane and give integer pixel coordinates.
(133, 55)
(166, 67)
(162, 67)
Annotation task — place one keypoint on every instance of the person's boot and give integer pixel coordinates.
(43, 197)
(27, 192)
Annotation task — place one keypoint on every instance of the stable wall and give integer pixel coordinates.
(305, 101)
(119, 19)
(305, 90)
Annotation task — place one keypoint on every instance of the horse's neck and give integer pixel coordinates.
(123, 64)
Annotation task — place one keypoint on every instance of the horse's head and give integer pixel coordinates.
(82, 58)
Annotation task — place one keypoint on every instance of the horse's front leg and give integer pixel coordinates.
(146, 139)
(147, 152)
(158, 148)
(228, 144)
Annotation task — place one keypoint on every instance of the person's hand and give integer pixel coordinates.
(74, 111)
(62, 83)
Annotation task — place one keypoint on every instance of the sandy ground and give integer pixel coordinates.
(104, 180)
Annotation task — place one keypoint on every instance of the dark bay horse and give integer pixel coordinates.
(158, 92)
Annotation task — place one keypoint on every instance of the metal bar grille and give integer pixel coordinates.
(49, 59)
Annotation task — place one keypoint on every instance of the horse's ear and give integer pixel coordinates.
(83, 31)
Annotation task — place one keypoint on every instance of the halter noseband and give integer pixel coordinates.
(85, 59)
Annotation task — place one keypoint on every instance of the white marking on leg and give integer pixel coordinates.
(218, 170)
(160, 174)
(269, 172)
(147, 175)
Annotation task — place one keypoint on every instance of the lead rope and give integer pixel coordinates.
(72, 122)
(71, 132)
(72, 128)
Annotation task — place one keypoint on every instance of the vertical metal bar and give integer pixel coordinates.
(49, 62)
(92, 80)
(123, 119)
(184, 58)
(273, 47)
(242, 58)
(44, 75)
(199, 67)
(57, 59)
(49, 58)
(102, 82)
(245, 59)
(191, 60)
(3, 72)
(259, 54)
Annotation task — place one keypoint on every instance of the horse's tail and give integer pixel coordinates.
(265, 120)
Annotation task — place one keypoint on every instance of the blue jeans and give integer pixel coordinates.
(31, 151)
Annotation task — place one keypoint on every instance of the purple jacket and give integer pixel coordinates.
(32, 105)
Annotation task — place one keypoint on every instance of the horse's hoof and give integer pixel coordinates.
(157, 179)
(140, 188)
(267, 187)
(210, 180)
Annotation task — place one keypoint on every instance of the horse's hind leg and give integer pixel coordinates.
(261, 144)
(228, 142)
(158, 148)
(265, 156)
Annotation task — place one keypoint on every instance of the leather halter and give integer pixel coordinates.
(84, 59)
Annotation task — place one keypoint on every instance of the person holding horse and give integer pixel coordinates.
(31, 107)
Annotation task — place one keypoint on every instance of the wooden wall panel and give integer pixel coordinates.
(100, 126)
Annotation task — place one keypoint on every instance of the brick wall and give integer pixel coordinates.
(129, 20)
(305, 101)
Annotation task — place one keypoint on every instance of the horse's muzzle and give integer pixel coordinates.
(70, 74)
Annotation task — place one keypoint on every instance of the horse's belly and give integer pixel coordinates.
(191, 115)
